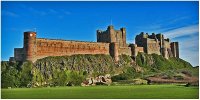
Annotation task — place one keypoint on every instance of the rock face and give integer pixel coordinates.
(99, 80)
(73, 70)
(87, 63)
(94, 66)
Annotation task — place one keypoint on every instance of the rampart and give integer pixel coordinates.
(157, 44)
(48, 47)
(109, 42)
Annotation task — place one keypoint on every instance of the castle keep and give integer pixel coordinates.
(156, 43)
(110, 42)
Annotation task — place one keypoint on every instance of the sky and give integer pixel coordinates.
(177, 20)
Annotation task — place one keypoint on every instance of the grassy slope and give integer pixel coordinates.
(156, 64)
(134, 92)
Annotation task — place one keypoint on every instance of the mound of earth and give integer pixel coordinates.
(175, 79)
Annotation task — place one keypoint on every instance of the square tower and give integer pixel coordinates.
(175, 49)
(111, 35)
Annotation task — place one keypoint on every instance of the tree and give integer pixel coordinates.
(9, 75)
(25, 74)
(75, 77)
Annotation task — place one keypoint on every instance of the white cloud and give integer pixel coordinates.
(189, 48)
(189, 55)
(53, 11)
(11, 14)
(46, 12)
(67, 12)
(37, 12)
(183, 31)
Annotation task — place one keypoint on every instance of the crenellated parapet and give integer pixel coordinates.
(109, 42)
(111, 35)
(157, 44)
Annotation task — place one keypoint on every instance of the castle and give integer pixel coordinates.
(110, 42)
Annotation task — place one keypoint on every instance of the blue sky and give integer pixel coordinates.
(80, 20)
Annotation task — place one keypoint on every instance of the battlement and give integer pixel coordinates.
(111, 35)
(109, 42)
(110, 27)
(156, 43)
(65, 40)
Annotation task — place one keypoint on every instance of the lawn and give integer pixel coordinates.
(96, 92)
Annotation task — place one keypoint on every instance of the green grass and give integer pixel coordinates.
(96, 92)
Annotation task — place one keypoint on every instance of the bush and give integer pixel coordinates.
(139, 81)
(128, 74)
(178, 77)
(10, 74)
(188, 84)
(188, 73)
(76, 78)
(119, 77)
(26, 74)
(154, 61)
(100, 83)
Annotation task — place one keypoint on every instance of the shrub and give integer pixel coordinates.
(188, 73)
(119, 77)
(178, 77)
(100, 83)
(188, 84)
(10, 74)
(154, 61)
(139, 81)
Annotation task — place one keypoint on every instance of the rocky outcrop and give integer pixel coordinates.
(99, 80)
(50, 69)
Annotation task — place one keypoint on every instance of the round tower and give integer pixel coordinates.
(29, 45)
(114, 47)
(116, 52)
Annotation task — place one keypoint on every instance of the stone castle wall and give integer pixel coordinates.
(157, 44)
(111, 35)
(125, 51)
(152, 47)
(19, 54)
(110, 42)
(48, 47)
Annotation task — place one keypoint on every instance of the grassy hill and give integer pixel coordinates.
(158, 62)
(60, 71)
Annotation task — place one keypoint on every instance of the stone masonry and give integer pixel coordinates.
(156, 43)
(109, 42)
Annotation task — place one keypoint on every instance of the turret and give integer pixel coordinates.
(123, 36)
(114, 47)
(165, 53)
(111, 32)
(175, 49)
(134, 50)
(160, 38)
(99, 35)
(29, 45)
